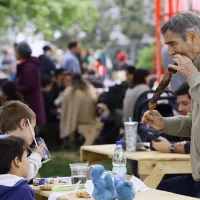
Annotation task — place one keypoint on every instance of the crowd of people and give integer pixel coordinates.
(77, 103)
(86, 102)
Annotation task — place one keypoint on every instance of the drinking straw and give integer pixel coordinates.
(32, 131)
(76, 188)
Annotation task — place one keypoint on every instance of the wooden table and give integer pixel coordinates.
(148, 195)
(151, 163)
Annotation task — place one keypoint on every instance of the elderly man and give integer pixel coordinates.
(182, 35)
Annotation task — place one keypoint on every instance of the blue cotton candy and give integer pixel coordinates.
(125, 190)
(104, 188)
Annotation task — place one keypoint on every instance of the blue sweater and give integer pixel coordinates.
(19, 191)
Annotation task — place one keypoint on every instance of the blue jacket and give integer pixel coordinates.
(14, 188)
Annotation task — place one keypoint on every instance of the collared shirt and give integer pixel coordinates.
(71, 63)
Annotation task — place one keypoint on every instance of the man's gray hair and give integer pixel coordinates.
(181, 23)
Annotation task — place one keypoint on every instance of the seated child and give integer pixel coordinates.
(14, 116)
(14, 169)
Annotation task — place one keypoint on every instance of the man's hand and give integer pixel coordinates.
(154, 119)
(40, 150)
(185, 65)
(162, 146)
(182, 143)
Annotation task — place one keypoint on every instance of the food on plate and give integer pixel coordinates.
(49, 186)
(82, 194)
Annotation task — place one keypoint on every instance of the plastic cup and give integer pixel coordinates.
(131, 135)
(80, 172)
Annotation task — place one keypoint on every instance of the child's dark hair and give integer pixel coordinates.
(10, 148)
(10, 90)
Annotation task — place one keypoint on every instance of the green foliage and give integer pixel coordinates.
(48, 15)
(145, 57)
(136, 17)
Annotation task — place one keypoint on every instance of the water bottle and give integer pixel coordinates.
(119, 163)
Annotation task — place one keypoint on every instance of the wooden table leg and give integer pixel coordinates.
(155, 177)
(156, 170)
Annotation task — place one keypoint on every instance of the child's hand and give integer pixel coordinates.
(40, 149)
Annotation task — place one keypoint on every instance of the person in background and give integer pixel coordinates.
(100, 68)
(90, 59)
(50, 131)
(121, 58)
(71, 62)
(184, 107)
(78, 107)
(14, 169)
(111, 80)
(50, 108)
(28, 80)
(57, 86)
(9, 92)
(67, 81)
(7, 59)
(47, 66)
(9, 63)
(137, 81)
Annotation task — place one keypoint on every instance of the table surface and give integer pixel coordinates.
(150, 195)
(139, 155)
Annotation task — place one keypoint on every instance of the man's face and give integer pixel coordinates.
(49, 53)
(68, 81)
(176, 45)
(184, 104)
(78, 48)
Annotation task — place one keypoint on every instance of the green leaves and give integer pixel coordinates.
(48, 15)
(145, 57)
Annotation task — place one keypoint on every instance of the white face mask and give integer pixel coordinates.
(32, 131)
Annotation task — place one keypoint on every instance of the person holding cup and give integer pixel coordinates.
(14, 115)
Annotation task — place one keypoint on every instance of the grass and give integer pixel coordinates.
(59, 163)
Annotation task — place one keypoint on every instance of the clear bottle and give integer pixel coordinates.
(119, 163)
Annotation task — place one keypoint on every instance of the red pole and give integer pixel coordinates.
(170, 8)
(158, 43)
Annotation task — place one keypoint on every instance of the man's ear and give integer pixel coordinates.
(193, 35)
(23, 123)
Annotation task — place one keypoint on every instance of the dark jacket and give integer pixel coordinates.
(16, 190)
(29, 86)
(50, 108)
(47, 66)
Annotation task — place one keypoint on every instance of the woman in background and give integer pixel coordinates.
(78, 107)
(137, 79)
(28, 80)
